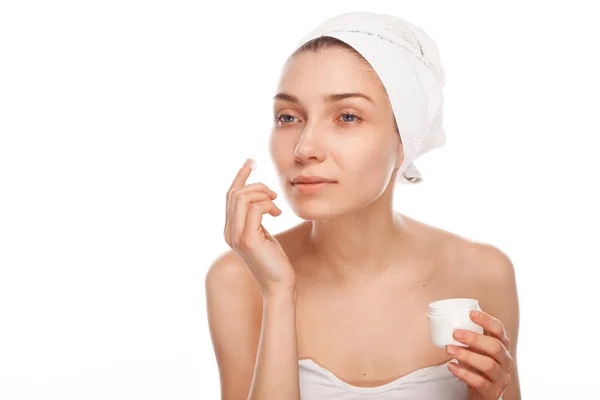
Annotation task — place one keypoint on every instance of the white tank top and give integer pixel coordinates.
(432, 383)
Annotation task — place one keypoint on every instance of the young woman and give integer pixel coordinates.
(336, 307)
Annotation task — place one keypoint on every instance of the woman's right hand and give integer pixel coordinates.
(245, 234)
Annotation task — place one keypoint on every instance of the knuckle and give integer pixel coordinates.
(489, 367)
(499, 348)
(486, 385)
(482, 384)
(246, 241)
(511, 363)
(240, 196)
(240, 246)
(236, 240)
(232, 195)
(478, 382)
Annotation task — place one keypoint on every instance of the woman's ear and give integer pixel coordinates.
(399, 155)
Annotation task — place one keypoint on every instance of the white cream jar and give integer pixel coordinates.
(447, 315)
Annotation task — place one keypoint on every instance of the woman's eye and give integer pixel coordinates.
(350, 115)
(279, 116)
(353, 118)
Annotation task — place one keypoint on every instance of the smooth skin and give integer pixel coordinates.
(355, 273)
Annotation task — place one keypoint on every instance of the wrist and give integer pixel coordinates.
(280, 294)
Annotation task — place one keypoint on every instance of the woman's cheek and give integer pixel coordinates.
(276, 148)
(374, 173)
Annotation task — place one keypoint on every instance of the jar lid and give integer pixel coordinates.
(452, 305)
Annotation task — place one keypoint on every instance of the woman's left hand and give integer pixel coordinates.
(485, 366)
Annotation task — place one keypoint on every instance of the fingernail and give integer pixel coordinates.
(474, 314)
(460, 334)
(452, 350)
(253, 164)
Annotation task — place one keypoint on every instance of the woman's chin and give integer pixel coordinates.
(315, 210)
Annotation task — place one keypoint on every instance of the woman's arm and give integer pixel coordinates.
(503, 302)
(493, 274)
(276, 374)
(258, 360)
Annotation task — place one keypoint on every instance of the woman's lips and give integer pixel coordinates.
(311, 187)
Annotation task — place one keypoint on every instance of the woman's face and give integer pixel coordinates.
(316, 136)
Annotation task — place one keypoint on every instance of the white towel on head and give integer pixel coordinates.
(408, 64)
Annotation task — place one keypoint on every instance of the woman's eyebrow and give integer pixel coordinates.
(328, 98)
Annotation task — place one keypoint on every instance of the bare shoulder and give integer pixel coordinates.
(229, 270)
(486, 263)
(478, 259)
(481, 270)
(229, 282)
(484, 270)
(231, 289)
(488, 274)
(234, 310)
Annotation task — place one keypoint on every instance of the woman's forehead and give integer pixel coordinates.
(307, 87)
(328, 65)
(332, 71)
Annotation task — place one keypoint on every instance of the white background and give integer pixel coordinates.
(122, 124)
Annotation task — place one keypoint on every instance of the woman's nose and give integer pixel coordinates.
(309, 146)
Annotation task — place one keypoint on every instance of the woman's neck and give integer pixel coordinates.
(360, 245)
